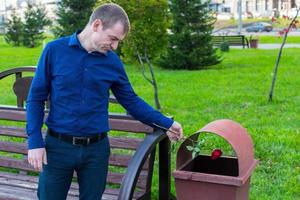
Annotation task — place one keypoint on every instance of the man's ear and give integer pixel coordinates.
(97, 25)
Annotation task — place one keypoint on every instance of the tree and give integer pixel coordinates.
(292, 25)
(190, 44)
(72, 15)
(14, 28)
(34, 22)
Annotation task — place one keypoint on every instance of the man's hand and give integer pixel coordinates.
(36, 157)
(175, 132)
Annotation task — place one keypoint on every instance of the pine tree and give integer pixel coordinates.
(34, 23)
(14, 28)
(72, 15)
(190, 44)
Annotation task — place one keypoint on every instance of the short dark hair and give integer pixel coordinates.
(110, 14)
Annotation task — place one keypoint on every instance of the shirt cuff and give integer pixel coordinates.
(35, 142)
(166, 122)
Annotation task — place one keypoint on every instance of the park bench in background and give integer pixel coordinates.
(130, 165)
(233, 40)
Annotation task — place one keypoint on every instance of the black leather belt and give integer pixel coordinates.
(83, 141)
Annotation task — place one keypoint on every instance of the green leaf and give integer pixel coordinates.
(196, 149)
(190, 148)
(194, 154)
(200, 142)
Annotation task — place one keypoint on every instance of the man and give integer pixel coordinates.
(76, 73)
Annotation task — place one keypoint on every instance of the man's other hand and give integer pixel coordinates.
(36, 158)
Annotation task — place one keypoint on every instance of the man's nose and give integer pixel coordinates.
(114, 45)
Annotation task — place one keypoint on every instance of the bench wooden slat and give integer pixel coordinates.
(123, 160)
(125, 143)
(116, 178)
(115, 193)
(114, 160)
(21, 148)
(115, 124)
(31, 182)
(31, 185)
(13, 131)
(8, 192)
(25, 186)
(115, 142)
(13, 147)
(16, 164)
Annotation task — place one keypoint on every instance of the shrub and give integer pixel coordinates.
(224, 46)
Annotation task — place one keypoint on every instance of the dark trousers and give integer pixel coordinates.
(90, 163)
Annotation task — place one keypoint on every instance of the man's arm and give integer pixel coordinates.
(142, 111)
(35, 105)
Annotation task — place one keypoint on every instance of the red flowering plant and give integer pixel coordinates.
(198, 145)
(207, 145)
(195, 149)
(204, 144)
(290, 23)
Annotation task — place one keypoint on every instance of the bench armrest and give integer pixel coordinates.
(136, 163)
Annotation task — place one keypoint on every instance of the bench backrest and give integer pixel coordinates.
(234, 40)
(126, 136)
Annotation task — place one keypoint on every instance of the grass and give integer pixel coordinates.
(277, 39)
(236, 89)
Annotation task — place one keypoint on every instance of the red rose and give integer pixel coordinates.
(216, 154)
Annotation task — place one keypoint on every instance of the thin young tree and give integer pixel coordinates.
(293, 24)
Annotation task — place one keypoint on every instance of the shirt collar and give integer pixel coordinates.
(74, 41)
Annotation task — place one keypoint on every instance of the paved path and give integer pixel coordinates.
(277, 46)
(234, 31)
(271, 46)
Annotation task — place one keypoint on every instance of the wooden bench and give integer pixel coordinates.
(130, 165)
(233, 40)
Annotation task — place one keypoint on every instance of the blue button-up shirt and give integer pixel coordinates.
(77, 83)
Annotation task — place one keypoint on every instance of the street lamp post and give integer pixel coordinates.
(240, 25)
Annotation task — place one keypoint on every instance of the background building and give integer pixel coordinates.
(225, 9)
(257, 8)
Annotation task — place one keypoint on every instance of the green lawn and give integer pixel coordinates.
(236, 89)
(278, 39)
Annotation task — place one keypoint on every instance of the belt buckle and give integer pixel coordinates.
(87, 141)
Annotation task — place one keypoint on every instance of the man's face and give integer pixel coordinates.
(108, 39)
